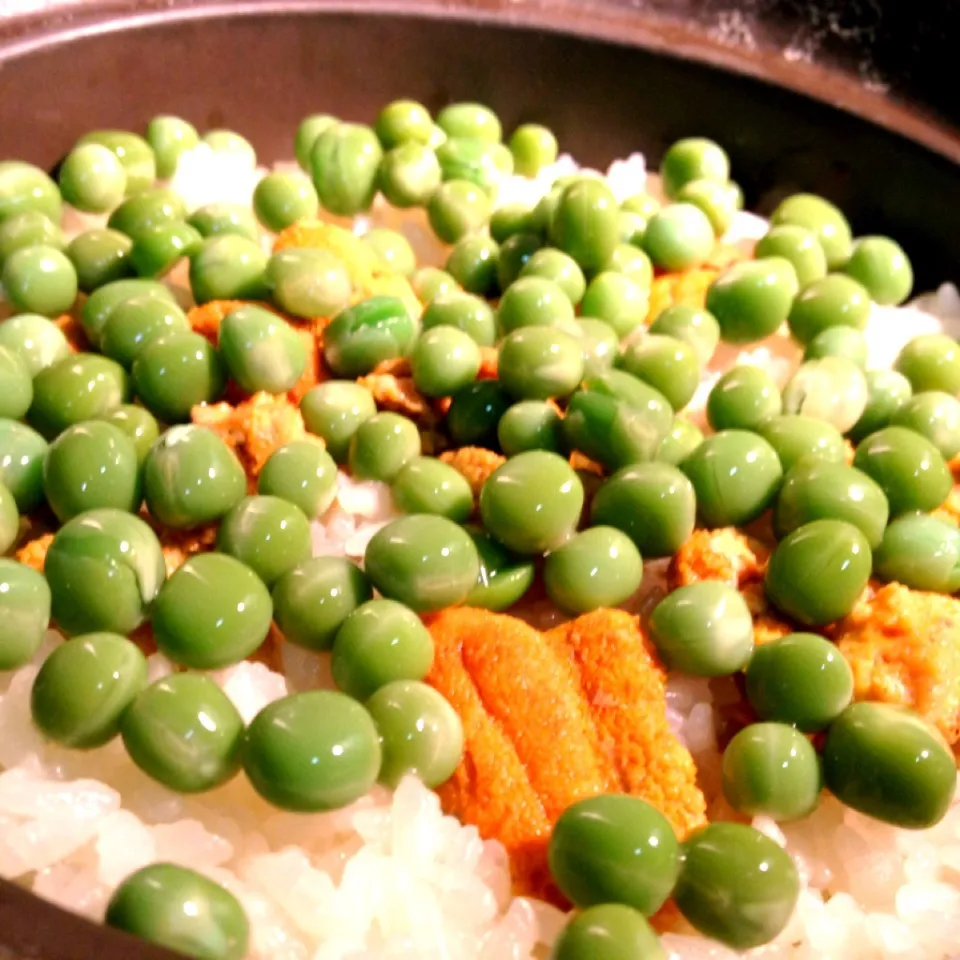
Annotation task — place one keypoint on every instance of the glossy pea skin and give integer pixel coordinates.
(533, 146)
(39, 279)
(693, 158)
(306, 136)
(530, 425)
(609, 931)
(772, 770)
(532, 503)
(28, 229)
(382, 445)
(599, 345)
(472, 120)
(880, 264)
(16, 385)
(92, 178)
(403, 121)
(312, 751)
(464, 311)
(228, 267)
(586, 223)
(798, 245)
(503, 579)
(175, 373)
(182, 910)
(22, 451)
(821, 218)
(363, 335)
(344, 162)
(302, 473)
(534, 302)
(333, 410)
(191, 477)
(212, 612)
(614, 848)
(631, 262)
(215, 219)
(537, 363)
(704, 629)
(736, 475)
(37, 341)
(170, 137)
(312, 600)
(135, 323)
(443, 360)
(100, 257)
(409, 175)
(599, 567)
(715, 199)
(427, 485)
(515, 251)
(146, 210)
(680, 441)
(132, 151)
(832, 389)
(509, 220)
(834, 300)
(616, 299)
(634, 392)
(751, 299)
(424, 561)
(818, 571)
(816, 490)
(392, 250)
(931, 362)
(697, 327)
(475, 413)
(908, 468)
(653, 503)
(845, 342)
(921, 552)
(24, 612)
(736, 885)
(91, 465)
(158, 250)
(184, 732)
(138, 425)
(471, 161)
(262, 352)
(281, 199)
(458, 208)
(800, 679)
(559, 268)
(105, 568)
(9, 520)
(742, 399)
(429, 283)
(267, 534)
(24, 187)
(678, 237)
(473, 264)
(666, 364)
(795, 437)
(933, 414)
(99, 306)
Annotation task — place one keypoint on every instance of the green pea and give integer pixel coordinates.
(469, 313)
(693, 158)
(427, 485)
(170, 138)
(138, 425)
(796, 437)
(92, 178)
(798, 245)
(586, 223)
(936, 416)
(23, 188)
(559, 268)
(697, 327)
(931, 362)
(608, 932)
(469, 160)
(132, 151)
(382, 445)
(9, 520)
(532, 503)
(333, 410)
(343, 162)
(458, 208)
(921, 552)
(833, 300)
(631, 262)
(511, 219)
(714, 198)
(213, 611)
(182, 910)
(908, 468)
(24, 612)
(887, 392)
(177, 372)
(191, 477)
(742, 399)
(431, 283)
(22, 452)
(302, 473)
(229, 142)
(444, 359)
(145, 211)
(641, 203)
(39, 279)
(228, 267)
(880, 264)
(16, 385)
(599, 345)
(614, 848)
(678, 237)
(473, 264)
(306, 136)
(28, 229)
(158, 250)
(800, 679)
(632, 229)
(681, 440)
(35, 340)
(361, 336)
(475, 413)
(840, 341)
(537, 363)
(392, 250)
(100, 257)
(736, 885)
(823, 220)
(281, 199)
(312, 600)
(216, 219)
(530, 425)
(832, 389)
(403, 121)
(503, 579)
(262, 352)
(312, 751)
(751, 299)
(818, 571)
(427, 562)
(616, 299)
(666, 364)
(515, 251)
(137, 322)
(82, 386)
(409, 175)
(99, 306)
(105, 569)
(533, 301)
(471, 120)
(533, 147)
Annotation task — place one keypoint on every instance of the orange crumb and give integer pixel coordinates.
(725, 554)
(475, 463)
(179, 545)
(399, 394)
(33, 554)
(72, 329)
(489, 359)
(206, 318)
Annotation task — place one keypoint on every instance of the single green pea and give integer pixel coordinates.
(530, 425)
(614, 848)
(145, 211)
(261, 351)
(559, 268)
(641, 203)
(697, 327)
(832, 389)
(216, 219)
(84, 687)
(534, 301)
(796, 437)
(427, 562)
(365, 334)
(936, 416)
(742, 399)
(666, 364)
(37, 341)
(681, 440)
(931, 362)
(586, 223)
(312, 751)
(469, 313)
(312, 600)
(28, 229)
(880, 264)
(887, 392)
(823, 220)
(431, 283)
(615, 298)
(308, 283)
(844, 342)
(228, 267)
(610, 931)
(24, 611)
(471, 120)
(714, 198)
(382, 445)
(92, 178)
(403, 121)
(427, 485)
(921, 552)
(798, 245)
(136, 323)
(39, 279)
(537, 363)
(751, 299)
(344, 162)
(890, 764)
(22, 452)
(409, 175)
(177, 372)
(599, 345)
(475, 412)
(9, 520)
(833, 300)
(515, 251)
(100, 257)
(191, 477)
(444, 359)
(302, 473)
(169, 138)
(678, 237)
(16, 385)
(132, 151)
(473, 264)
(736, 475)
(458, 208)
(82, 386)
(182, 910)
(503, 579)
(510, 219)
(229, 142)
(533, 147)
(543, 212)
(736, 885)
(333, 410)
(306, 136)
(818, 571)
(137, 424)
(468, 160)
(690, 159)
(99, 306)
(281, 199)
(631, 262)
(392, 250)
(23, 188)
(908, 468)
(799, 679)
(105, 569)
(158, 250)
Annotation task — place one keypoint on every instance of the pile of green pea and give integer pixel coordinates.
(560, 289)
